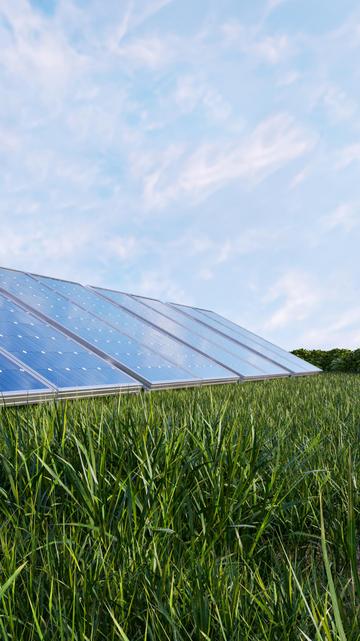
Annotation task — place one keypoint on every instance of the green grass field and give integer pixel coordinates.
(225, 513)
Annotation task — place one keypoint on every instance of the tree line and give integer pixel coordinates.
(333, 360)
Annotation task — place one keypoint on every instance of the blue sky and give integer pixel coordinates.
(204, 152)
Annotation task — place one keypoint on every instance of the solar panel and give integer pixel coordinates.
(253, 365)
(59, 339)
(153, 338)
(146, 365)
(57, 358)
(236, 331)
(298, 365)
(14, 378)
(244, 337)
(18, 385)
(239, 361)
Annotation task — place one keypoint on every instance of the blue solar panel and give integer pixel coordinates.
(139, 330)
(237, 332)
(235, 362)
(61, 339)
(14, 378)
(251, 363)
(244, 337)
(142, 362)
(56, 357)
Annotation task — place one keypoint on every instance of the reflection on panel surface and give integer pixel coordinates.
(241, 363)
(245, 338)
(58, 358)
(13, 378)
(238, 333)
(142, 362)
(251, 363)
(136, 329)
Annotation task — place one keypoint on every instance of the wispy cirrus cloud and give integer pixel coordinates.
(346, 216)
(257, 45)
(295, 297)
(273, 144)
(348, 155)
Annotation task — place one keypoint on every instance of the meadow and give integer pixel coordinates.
(228, 513)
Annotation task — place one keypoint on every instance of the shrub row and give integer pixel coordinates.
(333, 360)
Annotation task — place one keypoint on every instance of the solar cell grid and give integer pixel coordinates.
(14, 378)
(149, 366)
(58, 358)
(249, 338)
(196, 341)
(252, 364)
(279, 356)
(137, 329)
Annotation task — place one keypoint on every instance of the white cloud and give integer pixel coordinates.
(133, 16)
(346, 216)
(273, 144)
(272, 49)
(257, 45)
(206, 274)
(299, 178)
(156, 284)
(271, 5)
(337, 103)
(148, 51)
(251, 240)
(191, 92)
(288, 78)
(298, 299)
(124, 248)
(38, 54)
(348, 155)
(44, 245)
(9, 140)
(339, 329)
(149, 8)
(347, 319)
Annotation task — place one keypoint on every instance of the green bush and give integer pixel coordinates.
(333, 360)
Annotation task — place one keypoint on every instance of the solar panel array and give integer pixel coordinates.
(60, 339)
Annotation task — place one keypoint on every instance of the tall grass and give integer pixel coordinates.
(227, 513)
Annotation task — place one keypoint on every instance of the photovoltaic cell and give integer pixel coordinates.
(252, 364)
(14, 378)
(233, 361)
(237, 333)
(56, 357)
(181, 355)
(151, 367)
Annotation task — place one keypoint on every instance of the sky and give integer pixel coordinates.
(206, 153)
